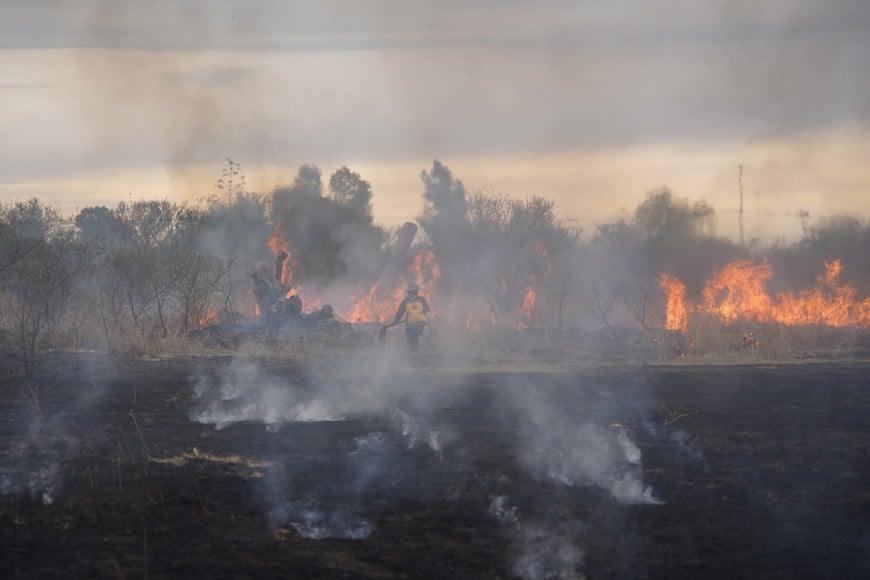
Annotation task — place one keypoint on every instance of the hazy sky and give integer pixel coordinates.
(590, 103)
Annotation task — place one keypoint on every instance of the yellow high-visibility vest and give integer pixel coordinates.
(414, 312)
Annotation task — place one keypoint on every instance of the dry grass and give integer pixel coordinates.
(196, 454)
(707, 341)
(708, 337)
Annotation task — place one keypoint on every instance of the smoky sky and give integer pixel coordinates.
(134, 97)
(96, 85)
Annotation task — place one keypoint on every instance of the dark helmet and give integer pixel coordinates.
(413, 289)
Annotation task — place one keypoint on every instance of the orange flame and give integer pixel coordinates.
(278, 245)
(528, 307)
(207, 320)
(829, 303)
(530, 297)
(288, 279)
(544, 253)
(738, 293)
(677, 310)
(379, 303)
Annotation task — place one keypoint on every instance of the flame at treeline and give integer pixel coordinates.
(738, 293)
(380, 301)
(287, 279)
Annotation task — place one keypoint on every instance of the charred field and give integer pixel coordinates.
(171, 468)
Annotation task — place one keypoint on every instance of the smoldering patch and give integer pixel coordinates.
(244, 392)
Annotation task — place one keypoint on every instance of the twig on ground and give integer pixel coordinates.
(34, 401)
(118, 458)
(139, 431)
(674, 415)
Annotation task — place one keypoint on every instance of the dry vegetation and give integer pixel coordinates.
(506, 278)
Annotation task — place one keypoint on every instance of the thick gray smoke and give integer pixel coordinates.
(329, 237)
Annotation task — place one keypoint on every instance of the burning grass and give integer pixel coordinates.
(738, 293)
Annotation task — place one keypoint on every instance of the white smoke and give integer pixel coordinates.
(573, 449)
(631, 451)
(39, 481)
(245, 393)
(499, 510)
(311, 521)
(547, 554)
(416, 431)
(372, 442)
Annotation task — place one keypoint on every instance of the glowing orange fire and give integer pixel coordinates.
(529, 299)
(379, 303)
(738, 293)
(278, 245)
(677, 309)
(207, 320)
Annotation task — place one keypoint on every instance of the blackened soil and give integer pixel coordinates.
(761, 471)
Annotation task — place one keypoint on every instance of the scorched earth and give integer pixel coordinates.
(244, 467)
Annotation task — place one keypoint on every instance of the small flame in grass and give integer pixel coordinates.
(207, 320)
(529, 299)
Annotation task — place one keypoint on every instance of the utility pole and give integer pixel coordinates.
(740, 210)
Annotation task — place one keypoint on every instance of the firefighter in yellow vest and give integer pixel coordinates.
(413, 310)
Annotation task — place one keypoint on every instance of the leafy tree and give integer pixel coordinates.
(351, 191)
(101, 229)
(327, 240)
(662, 218)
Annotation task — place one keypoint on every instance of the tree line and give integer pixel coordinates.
(143, 271)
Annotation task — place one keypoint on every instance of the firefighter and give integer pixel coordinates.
(413, 310)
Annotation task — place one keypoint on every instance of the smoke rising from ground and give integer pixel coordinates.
(564, 436)
(39, 446)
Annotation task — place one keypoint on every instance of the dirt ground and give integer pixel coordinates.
(747, 472)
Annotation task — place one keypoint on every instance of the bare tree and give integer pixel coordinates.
(43, 279)
(601, 306)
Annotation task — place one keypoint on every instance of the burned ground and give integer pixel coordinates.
(753, 471)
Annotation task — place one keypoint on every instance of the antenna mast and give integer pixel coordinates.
(740, 210)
